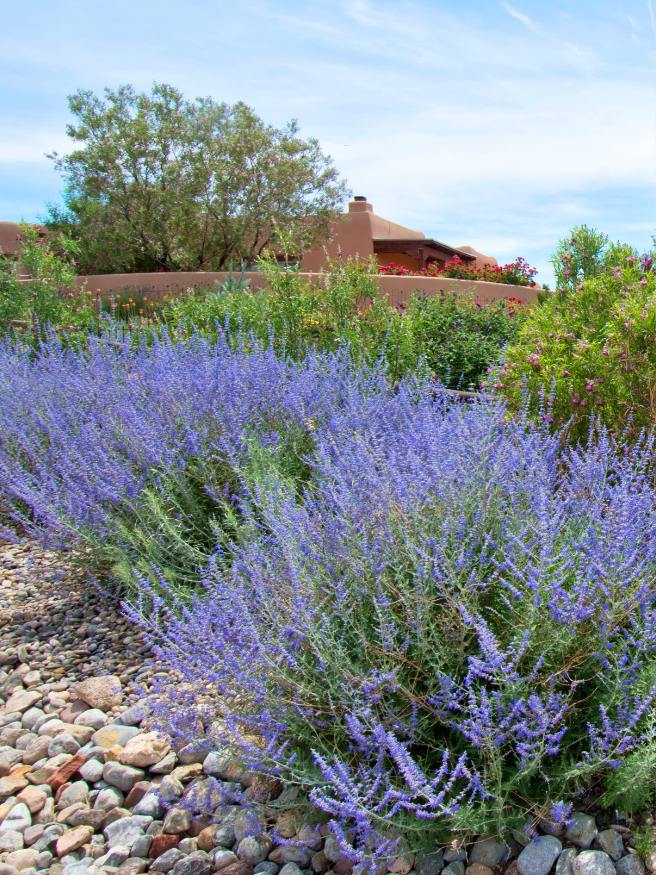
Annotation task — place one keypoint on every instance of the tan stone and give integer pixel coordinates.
(186, 773)
(6, 806)
(22, 860)
(145, 749)
(21, 700)
(103, 692)
(73, 839)
(14, 782)
(34, 798)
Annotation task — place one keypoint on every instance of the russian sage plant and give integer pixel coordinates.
(432, 616)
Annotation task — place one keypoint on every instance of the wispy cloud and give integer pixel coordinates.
(518, 16)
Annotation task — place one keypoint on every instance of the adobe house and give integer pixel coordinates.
(10, 238)
(362, 234)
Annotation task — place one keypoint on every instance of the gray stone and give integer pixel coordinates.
(92, 770)
(166, 861)
(108, 798)
(291, 869)
(198, 863)
(565, 861)
(611, 842)
(141, 846)
(177, 820)
(457, 867)
(18, 819)
(489, 852)
(188, 845)
(126, 830)
(538, 857)
(225, 835)
(151, 804)
(593, 863)
(630, 865)
(114, 857)
(11, 840)
(123, 777)
(267, 867)
(94, 717)
(301, 856)
(170, 789)
(63, 743)
(254, 849)
(78, 791)
(429, 864)
(166, 765)
(196, 751)
(133, 715)
(581, 830)
(215, 763)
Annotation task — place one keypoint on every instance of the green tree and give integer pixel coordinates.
(159, 182)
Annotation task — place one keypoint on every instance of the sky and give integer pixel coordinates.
(490, 123)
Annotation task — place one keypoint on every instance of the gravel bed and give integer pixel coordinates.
(87, 786)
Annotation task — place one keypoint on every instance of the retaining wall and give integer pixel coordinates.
(399, 289)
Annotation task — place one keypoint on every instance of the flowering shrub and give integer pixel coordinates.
(450, 626)
(450, 338)
(432, 616)
(589, 349)
(518, 272)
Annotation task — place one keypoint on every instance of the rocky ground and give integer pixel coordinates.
(87, 786)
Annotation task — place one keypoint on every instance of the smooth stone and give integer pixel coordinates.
(429, 864)
(108, 798)
(146, 749)
(630, 865)
(564, 862)
(121, 776)
(73, 839)
(11, 840)
(114, 735)
(457, 867)
(150, 804)
(254, 849)
(538, 856)
(63, 743)
(21, 700)
(93, 717)
(92, 770)
(18, 819)
(177, 820)
(266, 866)
(141, 847)
(166, 861)
(581, 829)
(290, 869)
(593, 863)
(196, 751)
(611, 842)
(489, 852)
(126, 830)
(113, 857)
(166, 765)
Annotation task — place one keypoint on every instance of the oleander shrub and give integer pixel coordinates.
(517, 273)
(588, 349)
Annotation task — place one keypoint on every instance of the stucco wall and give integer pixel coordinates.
(399, 289)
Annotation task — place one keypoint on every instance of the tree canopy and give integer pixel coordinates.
(159, 182)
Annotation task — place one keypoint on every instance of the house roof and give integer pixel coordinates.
(383, 243)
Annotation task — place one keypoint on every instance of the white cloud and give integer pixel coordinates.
(517, 15)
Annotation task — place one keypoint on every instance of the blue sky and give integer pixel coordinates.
(499, 124)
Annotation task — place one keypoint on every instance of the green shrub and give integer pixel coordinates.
(41, 288)
(452, 339)
(589, 349)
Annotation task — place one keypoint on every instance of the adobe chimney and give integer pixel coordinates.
(359, 204)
